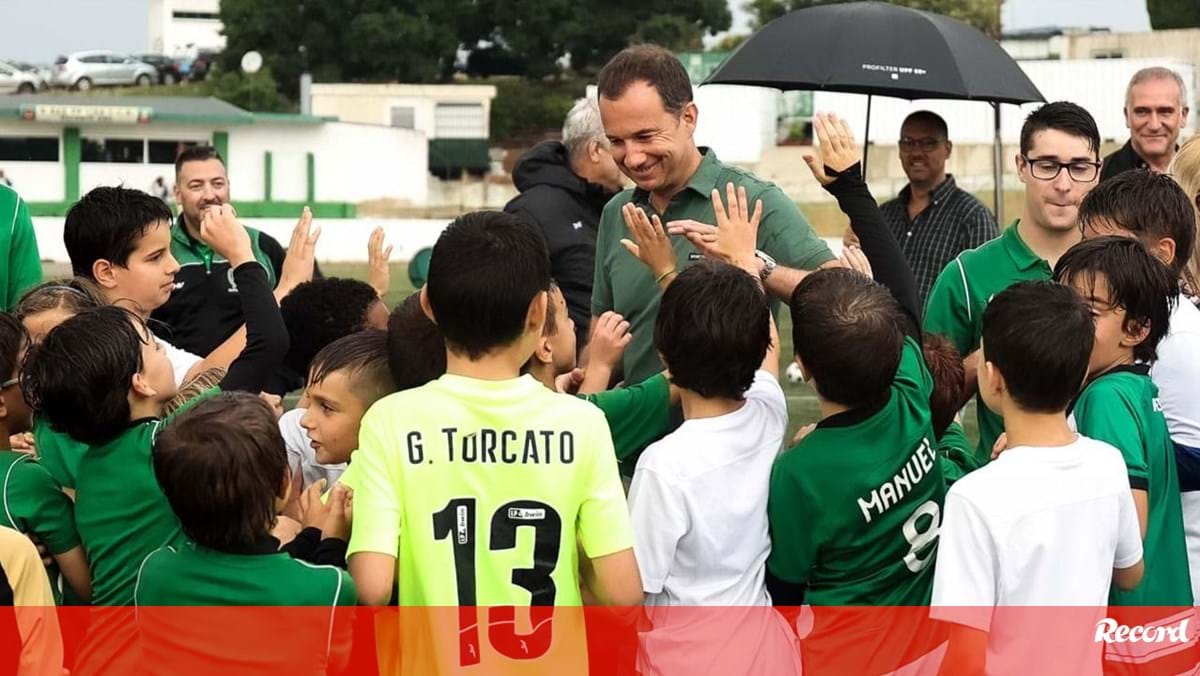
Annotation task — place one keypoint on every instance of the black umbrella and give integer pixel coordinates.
(879, 49)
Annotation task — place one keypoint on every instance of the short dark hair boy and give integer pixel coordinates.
(319, 312)
(713, 330)
(223, 468)
(847, 333)
(1138, 285)
(347, 377)
(510, 266)
(416, 348)
(1039, 335)
(1147, 205)
(107, 223)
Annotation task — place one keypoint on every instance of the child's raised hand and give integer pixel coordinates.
(313, 512)
(379, 273)
(23, 443)
(734, 238)
(837, 148)
(568, 383)
(854, 259)
(340, 515)
(610, 337)
(300, 258)
(220, 229)
(650, 243)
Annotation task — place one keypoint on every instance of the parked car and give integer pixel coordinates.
(168, 70)
(84, 70)
(44, 71)
(15, 80)
(203, 64)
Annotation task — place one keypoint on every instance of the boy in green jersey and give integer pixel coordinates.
(855, 505)
(1131, 293)
(455, 469)
(30, 500)
(224, 471)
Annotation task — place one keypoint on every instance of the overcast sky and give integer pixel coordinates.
(1117, 15)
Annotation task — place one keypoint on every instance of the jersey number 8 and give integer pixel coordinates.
(920, 541)
(457, 522)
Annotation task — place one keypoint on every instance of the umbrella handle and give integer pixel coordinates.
(866, 139)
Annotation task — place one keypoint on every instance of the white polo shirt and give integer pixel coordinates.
(1177, 375)
(1037, 527)
(698, 504)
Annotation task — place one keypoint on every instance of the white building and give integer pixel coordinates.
(57, 147)
(455, 118)
(180, 27)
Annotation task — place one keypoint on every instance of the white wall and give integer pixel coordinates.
(353, 162)
(737, 122)
(341, 239)
(36, 181)
(138, 176)
(1097, 85)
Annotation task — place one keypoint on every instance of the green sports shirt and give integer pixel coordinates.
(1121, 408)
(57, 452)
(20, 264)
(35, 504)
(962, 292)
(637, 416)
(955, 454)
(623, 284)
(120, 510)
(855, 507)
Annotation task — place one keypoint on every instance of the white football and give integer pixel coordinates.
(794, 374)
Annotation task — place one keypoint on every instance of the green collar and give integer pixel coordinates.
(702, 182)
(180, 234)
(1020, 253)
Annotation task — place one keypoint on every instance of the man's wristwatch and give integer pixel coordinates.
(769, 264)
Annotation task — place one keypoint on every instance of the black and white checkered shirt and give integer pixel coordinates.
(953, 222)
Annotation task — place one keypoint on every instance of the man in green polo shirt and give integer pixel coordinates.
(20, 265)
(1059, 164)
(650, 118)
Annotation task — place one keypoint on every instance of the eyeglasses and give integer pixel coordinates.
(907, 145)
(9, 383)
(1048, 170)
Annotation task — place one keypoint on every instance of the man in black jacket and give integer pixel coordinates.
(564, 187)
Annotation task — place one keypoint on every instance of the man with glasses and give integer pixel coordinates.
(933, 219)
(1058, 164)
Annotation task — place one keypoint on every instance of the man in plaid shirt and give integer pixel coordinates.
(933, 219)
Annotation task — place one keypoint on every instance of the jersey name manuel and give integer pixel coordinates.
(488, 446)
(893, 491)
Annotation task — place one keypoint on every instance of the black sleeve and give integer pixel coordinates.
(878, 243)
(304, 545)
(266, 334)
(331, 552)
(784, 593)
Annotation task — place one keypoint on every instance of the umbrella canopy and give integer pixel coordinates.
(877, 48)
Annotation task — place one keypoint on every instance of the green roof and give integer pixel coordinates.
(141, 109)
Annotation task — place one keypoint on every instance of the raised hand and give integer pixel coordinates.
(301, 255)
(650, 243)
(837, 149)
(379, 272)
(610, 337)
(341, 513)
(853, 258)
(220, 229)
(733, 238)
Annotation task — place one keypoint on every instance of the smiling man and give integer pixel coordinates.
(1155, 110)
(650, 120)
(1058, 165)
(933, 219)
(204, 309)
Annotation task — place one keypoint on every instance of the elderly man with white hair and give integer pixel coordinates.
(1155, 110)
(564, 186)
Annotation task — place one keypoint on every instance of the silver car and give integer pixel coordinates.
(15, 80)
(84, 70)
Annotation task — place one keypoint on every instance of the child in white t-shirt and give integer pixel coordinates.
(1051, 522)
(698, 501)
